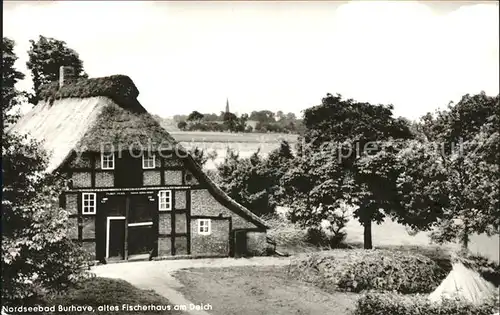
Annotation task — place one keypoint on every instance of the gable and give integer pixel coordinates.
(204, 204)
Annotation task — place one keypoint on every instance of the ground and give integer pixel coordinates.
(157, 275)
(106, 297)
(259, 290)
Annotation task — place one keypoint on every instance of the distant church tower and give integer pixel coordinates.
(227, 105)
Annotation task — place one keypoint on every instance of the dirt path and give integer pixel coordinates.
(157, 275)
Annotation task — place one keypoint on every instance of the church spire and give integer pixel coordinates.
(227, 105)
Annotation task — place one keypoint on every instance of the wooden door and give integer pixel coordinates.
(115, 238)
(141, 232)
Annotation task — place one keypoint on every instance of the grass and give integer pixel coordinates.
(259, 290)
(99, 292)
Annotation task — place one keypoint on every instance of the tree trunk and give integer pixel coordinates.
(465, 241)
(367, 237)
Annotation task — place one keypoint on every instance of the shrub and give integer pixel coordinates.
(359, 270)
(285, 233)
(396, 304)
(37, 254)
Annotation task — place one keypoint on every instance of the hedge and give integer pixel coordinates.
(359, 270)
(397, 304)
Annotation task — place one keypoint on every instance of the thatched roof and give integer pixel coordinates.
(92, 114)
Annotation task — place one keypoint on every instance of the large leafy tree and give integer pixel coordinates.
(346, 157)
(10, 76)
(37, 255)
(255, 181)
(46, 56)
(452, 173)
(195, 116)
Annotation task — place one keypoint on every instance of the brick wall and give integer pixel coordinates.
(81, 179)
(180, 223)
(181, 245)
(151, 178)
(204, 204)
(72, 203)
(88, 230)
(173, 177)
(191, 179)
(73, 228)
(81, 161)
(164, 223)
(104, 179)
(164, 246)
(180, 199)
(217, 243)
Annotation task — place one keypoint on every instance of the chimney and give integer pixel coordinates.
(66, 74)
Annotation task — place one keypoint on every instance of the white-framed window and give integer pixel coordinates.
(108, 161)
(165, 200)
(89, 204)
(148, 161)
(204, 226)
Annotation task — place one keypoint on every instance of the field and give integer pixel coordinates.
(244, 143)
(227, 137)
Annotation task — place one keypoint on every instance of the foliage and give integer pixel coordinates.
(201, 157)
(451, 176)
(347, 157)
(254, 181)
(36, 254)
(360, 270)
(397, 304)
(286, 234)
(97, 292)
(262, 116)
(207, 126)
(318, 237)
(46, 56)
(10, 76)
(195, 116)
(182, 125)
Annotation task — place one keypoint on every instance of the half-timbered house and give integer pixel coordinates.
(133, 191)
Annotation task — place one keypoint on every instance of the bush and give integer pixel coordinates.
(396, 304)
(285, 233)
(359, 270)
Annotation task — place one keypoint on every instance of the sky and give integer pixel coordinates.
(186, 56)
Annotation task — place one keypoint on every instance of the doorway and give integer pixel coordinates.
(115, 238)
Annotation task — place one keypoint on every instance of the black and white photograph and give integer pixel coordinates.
(250, 157)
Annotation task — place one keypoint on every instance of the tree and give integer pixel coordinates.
(46, 56)
(452, 173)
(230, 121)
(10, 76)
(37, 255)
(182, 125)
(255, 181)
(195, 116)
(201, 157)
(263, 116)
(347, 157)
